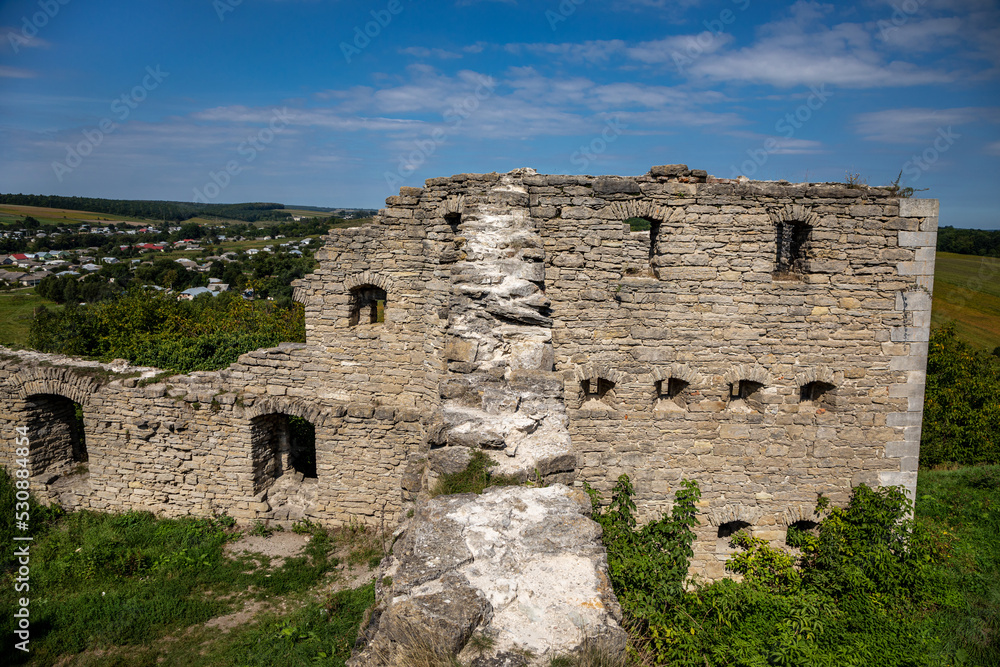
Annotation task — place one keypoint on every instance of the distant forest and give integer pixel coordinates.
(173, 211)
(969, 241)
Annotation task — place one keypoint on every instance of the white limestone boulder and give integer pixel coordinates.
(522, 566)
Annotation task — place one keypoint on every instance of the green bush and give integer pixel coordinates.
(647, 566)
(158, 330)
(962, 405)
(868, 589)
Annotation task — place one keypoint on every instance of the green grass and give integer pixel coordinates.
(967, 290)
(965, 505)
(130, 589)
(16, 312)
(476, 477)
(57, 216)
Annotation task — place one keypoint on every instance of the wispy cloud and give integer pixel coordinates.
(7, 72)
(916, 124)
(423, 52)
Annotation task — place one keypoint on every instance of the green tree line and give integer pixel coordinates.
(969, 241)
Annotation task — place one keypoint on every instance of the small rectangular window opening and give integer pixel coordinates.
(744, 389)
(597, 387)
(790, 245)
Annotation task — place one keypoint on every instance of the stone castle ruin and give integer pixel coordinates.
(766, 339)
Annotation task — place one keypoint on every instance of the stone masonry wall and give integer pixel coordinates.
(767, 339)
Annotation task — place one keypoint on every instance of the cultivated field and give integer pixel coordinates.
(56, 216)
(967, 290)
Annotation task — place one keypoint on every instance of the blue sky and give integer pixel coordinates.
(338, 103)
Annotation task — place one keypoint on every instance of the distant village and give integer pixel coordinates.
(29, 269)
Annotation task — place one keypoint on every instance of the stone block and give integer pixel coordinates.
(917, 239)
(608, 186)
(461, 349)
(669, 170)
(918, 208)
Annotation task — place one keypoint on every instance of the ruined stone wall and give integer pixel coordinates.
(204, 443)
(766, 339)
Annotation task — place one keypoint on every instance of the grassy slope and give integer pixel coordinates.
(135, 591)
(967, 290)
(966, 504)
(16, 310)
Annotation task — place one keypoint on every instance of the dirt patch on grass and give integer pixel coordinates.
(237, 618)
(276, 546)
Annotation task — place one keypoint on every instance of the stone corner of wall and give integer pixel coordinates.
(918, 208)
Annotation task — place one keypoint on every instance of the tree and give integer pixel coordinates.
(962, 404)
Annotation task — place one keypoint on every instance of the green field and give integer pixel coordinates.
(967, 290)
(16, 310)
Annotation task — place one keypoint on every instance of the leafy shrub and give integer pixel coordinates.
(962, 406)
(647, 566)
(763, 564)
(865, 592)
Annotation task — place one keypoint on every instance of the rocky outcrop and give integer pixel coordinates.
(497, 578)
(500, 392)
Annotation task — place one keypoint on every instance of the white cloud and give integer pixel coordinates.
(992, 149)
(926, 35)
(423, 52)
(803, 50)
(916, 124)
(15, 73)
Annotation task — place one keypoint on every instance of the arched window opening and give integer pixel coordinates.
(597, 392)
(281, 443)
(790, 250)
(367, 305)
(745, 396)
(56, 433)
(672, 394)
(646, 224)
(815, 392)
(730, 528)
(725, 536)
(817, 395)
(798, 533)
(302, 446)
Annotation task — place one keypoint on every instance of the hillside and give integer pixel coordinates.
(967, 290)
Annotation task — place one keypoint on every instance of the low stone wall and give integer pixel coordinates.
(199, 444)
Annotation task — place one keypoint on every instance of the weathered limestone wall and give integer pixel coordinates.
(205, 444)
(766, 339)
